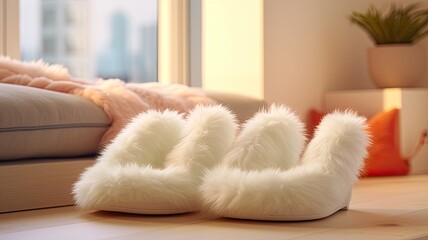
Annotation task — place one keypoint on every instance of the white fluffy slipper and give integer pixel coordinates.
(317, 187)
(154, 165)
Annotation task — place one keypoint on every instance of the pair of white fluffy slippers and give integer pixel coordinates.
(163, 164)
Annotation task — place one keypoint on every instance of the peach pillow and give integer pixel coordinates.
(384, 156)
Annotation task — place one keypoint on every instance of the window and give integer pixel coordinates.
(93, 38)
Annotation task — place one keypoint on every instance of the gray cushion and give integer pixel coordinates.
(40, 123)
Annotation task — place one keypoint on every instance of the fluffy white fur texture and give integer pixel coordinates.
(273, 138)
(314, 188)
(154, 165)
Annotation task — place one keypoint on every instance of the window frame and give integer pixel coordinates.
(9, 30)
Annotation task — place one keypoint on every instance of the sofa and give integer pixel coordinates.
(48, 138)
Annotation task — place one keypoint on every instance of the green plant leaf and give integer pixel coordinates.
(399, 25)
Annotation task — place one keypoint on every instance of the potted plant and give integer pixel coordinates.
(396, 60)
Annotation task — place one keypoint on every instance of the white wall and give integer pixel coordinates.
(311, 47)
(232, 49)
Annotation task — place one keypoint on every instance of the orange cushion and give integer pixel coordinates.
(384, 156)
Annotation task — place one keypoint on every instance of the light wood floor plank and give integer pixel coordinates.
(381, 208)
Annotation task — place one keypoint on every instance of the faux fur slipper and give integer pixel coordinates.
(154, 165)
(261, 187)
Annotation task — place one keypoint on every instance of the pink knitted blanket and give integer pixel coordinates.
(120, 101)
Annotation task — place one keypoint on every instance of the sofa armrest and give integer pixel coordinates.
(243, 106)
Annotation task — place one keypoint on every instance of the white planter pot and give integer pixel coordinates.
(393, 66)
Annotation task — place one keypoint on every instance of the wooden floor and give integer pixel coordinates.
(381, 208)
